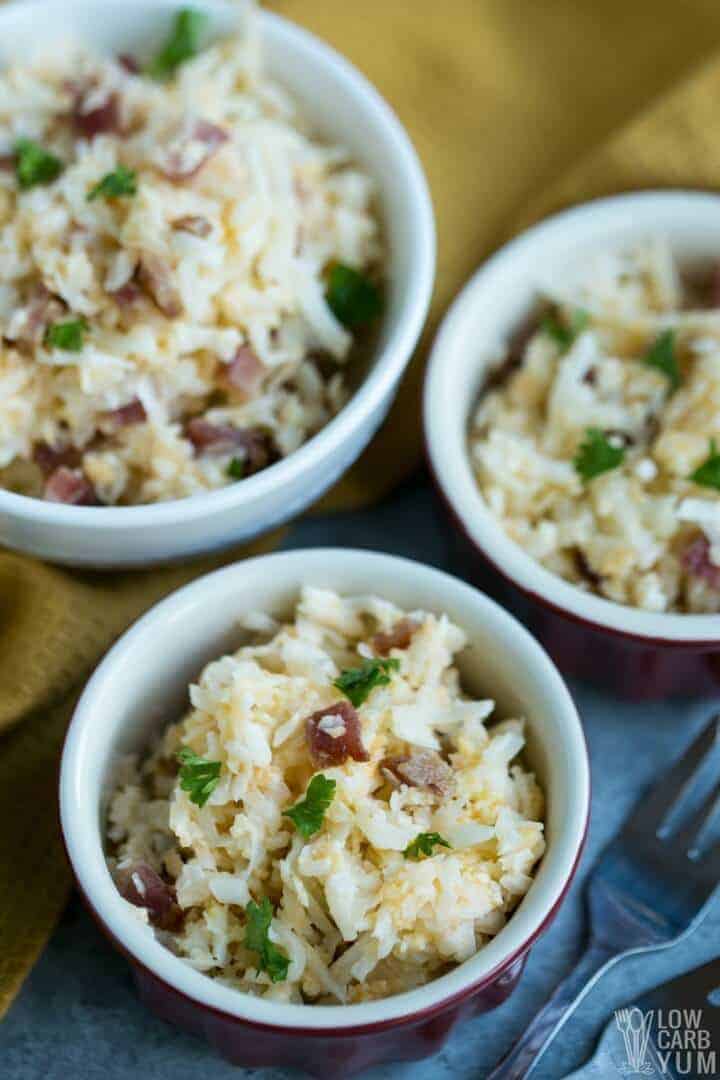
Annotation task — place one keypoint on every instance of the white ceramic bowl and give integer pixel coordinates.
(142, 685)
(640, 653)
(343, 106)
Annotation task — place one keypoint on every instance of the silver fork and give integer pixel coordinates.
(649, 887)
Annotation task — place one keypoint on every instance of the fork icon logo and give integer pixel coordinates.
(635, 1028)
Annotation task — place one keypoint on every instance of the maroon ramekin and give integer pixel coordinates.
(141, 684)
(633, 653)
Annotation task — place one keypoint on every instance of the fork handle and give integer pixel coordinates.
(528, 1050)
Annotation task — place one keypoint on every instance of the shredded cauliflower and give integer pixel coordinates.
(431, 836)
(202, 295)
(626, 358)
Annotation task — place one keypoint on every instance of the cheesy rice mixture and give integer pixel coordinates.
(334, 820)
(597, 444)
(184, 270)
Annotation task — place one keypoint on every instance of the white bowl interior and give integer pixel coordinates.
(491, 306)
(142, 684)
(341, 106)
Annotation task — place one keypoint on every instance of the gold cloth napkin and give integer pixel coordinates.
(502, 98)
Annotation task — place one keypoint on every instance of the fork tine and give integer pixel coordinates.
(653, 809)
(685, 837)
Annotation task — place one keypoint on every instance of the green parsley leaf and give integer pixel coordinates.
(270, 957)
(236, 468)
(33, 165)
(68, 335)
(596, 455)
(308, 814)
(197, 776)
(562, 334)
(352, 296)
(114, 184)
(423, 844)
(182, 44)
(708, 474)
(661, 355)
(357, 683)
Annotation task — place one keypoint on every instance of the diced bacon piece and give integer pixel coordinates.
(696, 560)
(208, 438)
(125, 60)
(195, 224)
(140, 885)
(28, 325)
(70, 486)
(422, 769)
(259, 450)
(97, 119)
(399, 637)
(126, 415)
(333, 735)
(127, 295)
(192, 149)
(50, 458)
(155, 276)
(245, 372)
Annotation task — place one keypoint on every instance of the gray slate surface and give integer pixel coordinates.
(77, 1017)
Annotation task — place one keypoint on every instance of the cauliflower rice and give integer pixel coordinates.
(165, 297)
(595, 442)
(429, 841)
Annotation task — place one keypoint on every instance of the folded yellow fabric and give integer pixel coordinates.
(502, 97)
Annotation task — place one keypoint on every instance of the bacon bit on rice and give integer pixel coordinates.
(245, 372)
(50, 458)
(333, 735)
(422, 769)
(140, 885)
(696, 560)
(125, 60)
(127, 295)
(42, 309)
(70, 486)
(99, 119)
(208, 438)
(399, 637)
(155, 276)
(132, 413)
(192, 149)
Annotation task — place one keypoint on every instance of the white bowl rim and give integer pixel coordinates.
(390, 361)
(452, 470)
(78, 822)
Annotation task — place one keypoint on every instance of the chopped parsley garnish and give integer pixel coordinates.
(33, 165)
(352, 296)
(270, 958)
(121, 181)
(236, 468)
(661, 355)
(357, 683)
(182, 45)
(69, 335)
(309, 813)
(423, 844)
(708, 474)
(597, 455)
(197, 776)
(561, 333)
